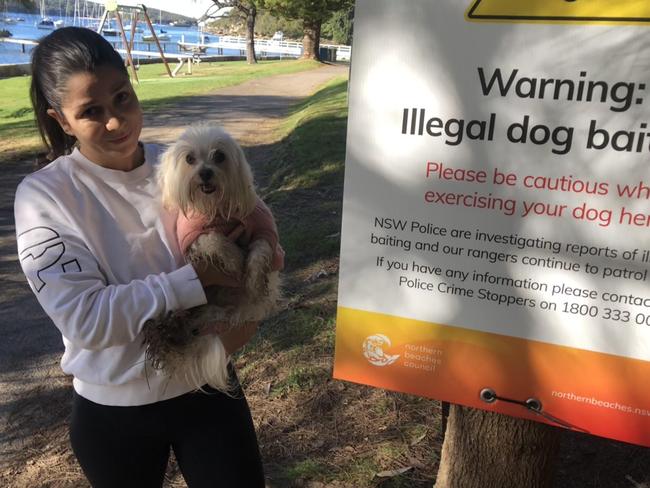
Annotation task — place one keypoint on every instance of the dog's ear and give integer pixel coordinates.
(166, 169)
(243, 185)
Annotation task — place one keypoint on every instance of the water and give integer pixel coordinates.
(12, 53)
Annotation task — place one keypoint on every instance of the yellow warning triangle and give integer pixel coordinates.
(562, 11)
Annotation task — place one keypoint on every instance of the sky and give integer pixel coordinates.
(188, 8)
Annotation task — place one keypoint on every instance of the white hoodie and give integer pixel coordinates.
(101, 256)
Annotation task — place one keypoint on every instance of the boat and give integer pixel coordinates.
(110, 30)
(46, 23)
(192, 48)
(138, 30)
(6, 19)
(162, 36)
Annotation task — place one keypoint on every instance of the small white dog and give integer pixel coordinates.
(205, 176)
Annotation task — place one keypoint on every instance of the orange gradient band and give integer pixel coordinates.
(588, 391)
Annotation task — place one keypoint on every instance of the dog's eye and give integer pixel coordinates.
(218, 157)
(189, 159)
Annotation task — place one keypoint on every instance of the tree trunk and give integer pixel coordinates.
(486, 449)
(250, 35)
(311, 39)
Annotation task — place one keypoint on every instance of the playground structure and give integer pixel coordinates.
(191, 52)
(112, 6)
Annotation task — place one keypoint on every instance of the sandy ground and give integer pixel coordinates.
(34, 394)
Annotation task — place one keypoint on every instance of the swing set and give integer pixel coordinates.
(112, 6)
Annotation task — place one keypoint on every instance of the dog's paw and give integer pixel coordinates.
(218, 251)
(257, 283)
(258, 267)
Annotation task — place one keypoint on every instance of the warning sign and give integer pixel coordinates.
(495, 244)
(563, 11)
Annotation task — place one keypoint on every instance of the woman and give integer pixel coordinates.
(100, 253)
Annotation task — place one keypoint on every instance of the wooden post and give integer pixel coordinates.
(126, 45)
(102, 22)
(134, 22)
(155, 38)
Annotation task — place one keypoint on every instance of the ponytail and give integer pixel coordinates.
(54, 138)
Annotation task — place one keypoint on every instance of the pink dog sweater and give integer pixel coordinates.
(258, 225)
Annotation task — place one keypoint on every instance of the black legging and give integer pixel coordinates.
(212, 435)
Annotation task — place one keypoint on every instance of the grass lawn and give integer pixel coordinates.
(328, 432)
(18, 134)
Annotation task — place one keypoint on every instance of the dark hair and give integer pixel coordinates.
(59, 55)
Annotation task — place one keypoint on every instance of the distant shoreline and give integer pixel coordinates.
(24, 69)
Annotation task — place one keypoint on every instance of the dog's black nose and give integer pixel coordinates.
(206, 174)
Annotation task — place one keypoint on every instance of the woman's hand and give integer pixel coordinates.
(233, 337)
(210, 276)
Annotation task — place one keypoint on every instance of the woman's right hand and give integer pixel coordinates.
(233, 338)
(209, 275)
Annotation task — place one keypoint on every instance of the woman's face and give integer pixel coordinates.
(102, 111)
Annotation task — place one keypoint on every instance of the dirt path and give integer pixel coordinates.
(248, 111)
(34, 394)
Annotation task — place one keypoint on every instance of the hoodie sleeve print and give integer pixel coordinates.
(73, 291)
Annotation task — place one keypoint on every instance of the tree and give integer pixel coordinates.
(339, 27)
(268, 24)
(248, 9)
(312, 13)
(490, 449)
(28, 5)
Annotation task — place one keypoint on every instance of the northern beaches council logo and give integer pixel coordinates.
(560, 11)
(373, 350)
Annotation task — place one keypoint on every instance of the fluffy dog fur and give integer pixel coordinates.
(205, 172)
